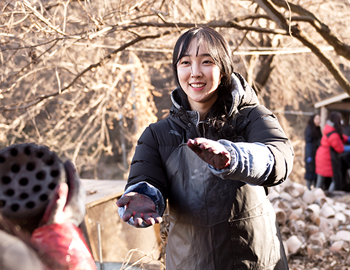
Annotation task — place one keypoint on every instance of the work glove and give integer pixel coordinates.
(346, 148)
(140, 208)
(212, 152)
(58, 237)
(68, 201)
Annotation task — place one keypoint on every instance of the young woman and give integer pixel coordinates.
(212, 159)
(313, 137)
(327, 160)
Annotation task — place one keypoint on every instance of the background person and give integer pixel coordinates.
(212, 159)
(328, 163)
(313, 137)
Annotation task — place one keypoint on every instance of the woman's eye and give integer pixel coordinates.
(208, 62)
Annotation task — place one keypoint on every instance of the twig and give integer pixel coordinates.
(36, 60)
(41, 18)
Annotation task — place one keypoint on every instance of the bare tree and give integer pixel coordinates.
(81, 76)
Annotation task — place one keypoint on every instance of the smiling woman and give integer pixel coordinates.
(199, 77)
(212, 159)
(202, 62)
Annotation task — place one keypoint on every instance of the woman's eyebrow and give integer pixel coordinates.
(203, 54)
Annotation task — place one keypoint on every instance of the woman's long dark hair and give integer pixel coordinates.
(218, 49)
(315, 130)
(335, 118)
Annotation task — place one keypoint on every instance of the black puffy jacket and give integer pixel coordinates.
(215, 223)
(160, 139)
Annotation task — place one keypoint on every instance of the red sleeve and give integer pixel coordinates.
(65, 246)
(336, 142)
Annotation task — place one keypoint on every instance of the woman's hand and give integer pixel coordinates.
(140, 207)
(211, 152)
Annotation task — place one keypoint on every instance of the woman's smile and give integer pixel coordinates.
(197, 86)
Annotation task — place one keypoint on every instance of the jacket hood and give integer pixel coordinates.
(328, 128)
(242, 95)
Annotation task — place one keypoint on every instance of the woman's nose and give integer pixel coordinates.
(195, 71)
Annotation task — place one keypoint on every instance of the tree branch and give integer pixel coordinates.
(340, 47)
(213, 24)
(36, 100)
(275, 15)
(41, 18)
(303, 38)
(333, 69)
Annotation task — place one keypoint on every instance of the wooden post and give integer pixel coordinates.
(323, 115)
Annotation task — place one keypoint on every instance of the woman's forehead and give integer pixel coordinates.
(196, 48)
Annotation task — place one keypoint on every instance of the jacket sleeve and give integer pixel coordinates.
(308, 137)
(65, 246)
(147, 165)
(264, 128)
(251, 163)
(336, 142)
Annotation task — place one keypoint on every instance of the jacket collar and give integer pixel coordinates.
(329, 123)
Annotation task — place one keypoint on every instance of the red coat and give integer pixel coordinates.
(323, 154)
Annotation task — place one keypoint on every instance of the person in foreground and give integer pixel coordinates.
(57, 243)
(313, 137)
(212, 159)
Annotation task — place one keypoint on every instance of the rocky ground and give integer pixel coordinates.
(314, 225)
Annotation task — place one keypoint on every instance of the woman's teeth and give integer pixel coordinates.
(197, 85)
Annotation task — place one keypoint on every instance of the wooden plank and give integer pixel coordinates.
(104, 199)
(118, 238)
(330, 100)
(98, 191)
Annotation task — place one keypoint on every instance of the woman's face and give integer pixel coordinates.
(317, 120)
(199, 76)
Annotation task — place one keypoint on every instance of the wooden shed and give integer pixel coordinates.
(111, 239)
(340, 103)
